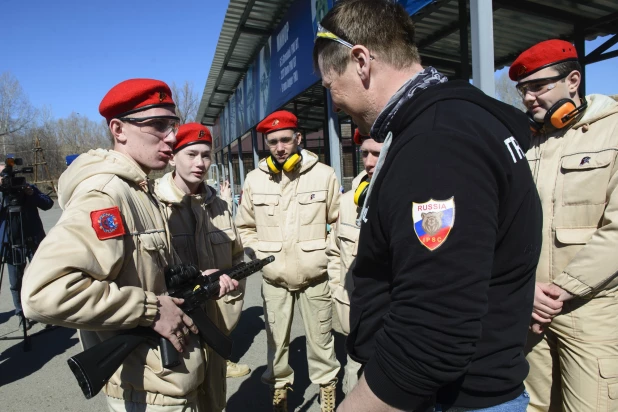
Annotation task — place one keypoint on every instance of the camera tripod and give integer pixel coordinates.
(14, 250)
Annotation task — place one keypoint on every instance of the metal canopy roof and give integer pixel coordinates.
(517, 26)
(246, 28)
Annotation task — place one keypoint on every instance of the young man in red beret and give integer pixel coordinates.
(203, 233)
(343, 245)
(100, 269)
(287, 203)
(573, 350)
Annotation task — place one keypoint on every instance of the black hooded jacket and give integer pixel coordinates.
(451, 322)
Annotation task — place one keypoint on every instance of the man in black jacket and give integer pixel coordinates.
(31, 199)
(450, 231)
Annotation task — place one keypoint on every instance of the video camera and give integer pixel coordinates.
(12, 184)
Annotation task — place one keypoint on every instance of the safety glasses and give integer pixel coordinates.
(329, 35)
(159, 126)
(286, 140)
(538, 87)
(325, 34)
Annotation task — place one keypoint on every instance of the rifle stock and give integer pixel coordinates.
(94, 366)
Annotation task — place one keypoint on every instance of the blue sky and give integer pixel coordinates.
(67, 54)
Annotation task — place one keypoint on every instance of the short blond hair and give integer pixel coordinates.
(383, 26)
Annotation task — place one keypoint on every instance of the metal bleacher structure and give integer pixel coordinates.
(445, 37)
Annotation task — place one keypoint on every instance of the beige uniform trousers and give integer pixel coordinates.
(317, 312)
(120, 405)
(574, 365)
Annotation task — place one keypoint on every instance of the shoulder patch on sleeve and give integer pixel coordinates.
(433, 221)
(107, 223)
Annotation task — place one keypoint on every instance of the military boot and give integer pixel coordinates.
(280, 399)
(327, 396)
(236, 370)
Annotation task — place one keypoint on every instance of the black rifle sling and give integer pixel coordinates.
(211, 334)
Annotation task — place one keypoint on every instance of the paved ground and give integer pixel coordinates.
(40, 380)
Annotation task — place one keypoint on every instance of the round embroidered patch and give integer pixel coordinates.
(108, 223)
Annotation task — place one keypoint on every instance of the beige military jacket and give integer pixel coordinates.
(341, 251)
(103, 286)
(285, 215)
(575, 173)
(203, 233)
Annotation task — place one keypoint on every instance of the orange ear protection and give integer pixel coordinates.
(289, 164)
(560, 115)
(361, 192)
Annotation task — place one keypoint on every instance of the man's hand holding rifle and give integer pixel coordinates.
(173, 324)
(188, 290)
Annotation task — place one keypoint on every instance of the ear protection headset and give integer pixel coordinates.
(361, 192)
(560, 115)
(289, 164)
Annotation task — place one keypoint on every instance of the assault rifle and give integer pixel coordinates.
(94, 366)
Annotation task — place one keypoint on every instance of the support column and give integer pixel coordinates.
(580, 47)
(241, 164)
(230, 168)
(464, 23)
(325, 127)
(334, 140)
(354, 152)
(481, 22)
(254, 140)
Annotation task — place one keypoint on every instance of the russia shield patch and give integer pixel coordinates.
(433, 221)
(107, 223)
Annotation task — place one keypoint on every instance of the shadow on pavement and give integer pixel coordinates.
(15, 364)
(298, 363)
(5, 316)
(255, 396)
(252, 395)
(249, 326)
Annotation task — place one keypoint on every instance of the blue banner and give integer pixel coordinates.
(69, 159)
(282, 70)
(413, 6)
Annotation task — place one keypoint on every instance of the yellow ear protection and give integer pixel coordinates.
(361, 192)
(289, 164)
(560, 115)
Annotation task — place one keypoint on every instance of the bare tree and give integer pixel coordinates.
(21, 124)
(506, 92)
(187, 101)
(75, 134)
(16, 112)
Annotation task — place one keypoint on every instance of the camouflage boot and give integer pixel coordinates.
(327, 396)
(280, 399)
(236, 370)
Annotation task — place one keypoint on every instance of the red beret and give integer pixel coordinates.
(134, 95)
(280, 120)
(540, 56)
(358, 137)
(191, 133)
